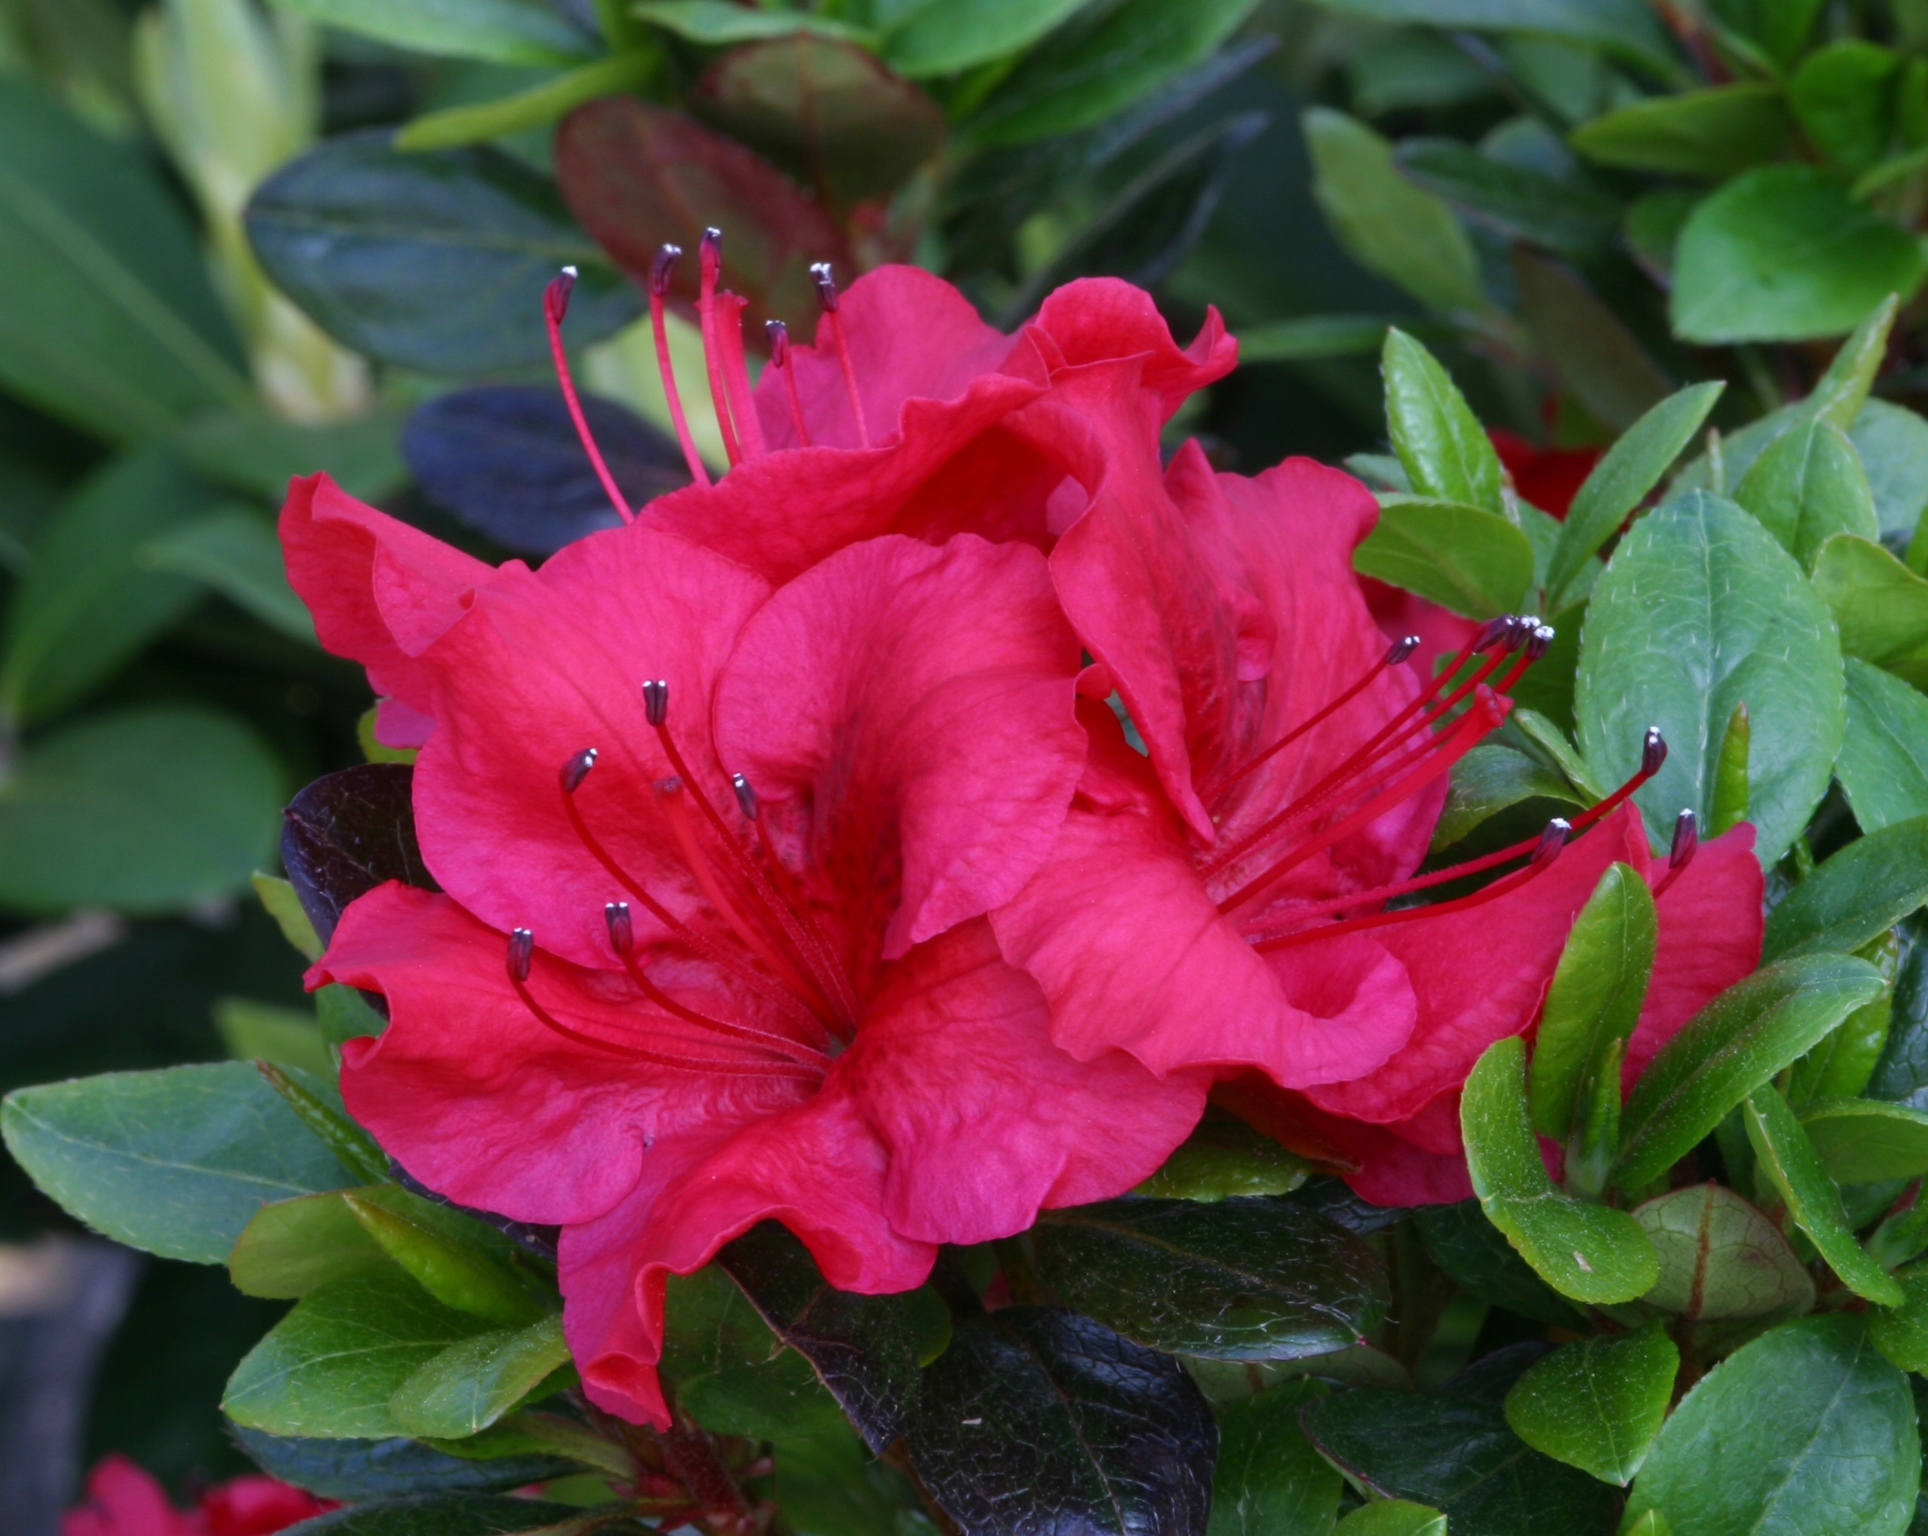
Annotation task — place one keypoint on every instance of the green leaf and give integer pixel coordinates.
(481, 122)
(1856, 895)
(448, 1514)
(284, 906)
(1269, 1479)
(89, 603)
(1840, 97)
(383, 1469)
(1893, 445)
(941, 39)
(1621, 480)
(727, 1369)
(1883, 766)
(1251, 1278)
(1701, 610)
(1732, 792)
(430, 261)
(1597, 1404)
(1864, 1141)
(345, 1015)
(470, 1385)
(1471, 561)
(1457, 1455)
(331, 1366)
(294, 1247)
(456, 1259)
(1720, 1258)
(1446, 452)
(1477, 1256)
(1489, 780)
(1879, 606)
(830, 1485)
(1727, 1050)
(1805, 1429)
(1558, 213)
(1225, 1156)
(1790, 1162)
(1599, 361)
(1841, 393)
(252, 1030)
(1715, 133)
(1085, 74)
(718, 24)
(1590, 1252)
(236, 553)
(107, 319)
(1311, 337)
(1808, 486)
(1387, 224)
(1783, 254)
(254, 453)
(1625, 28)
(1901, 1333)
(1392, 1517)
(500, 31)
(174, 1162)
(1595, 996)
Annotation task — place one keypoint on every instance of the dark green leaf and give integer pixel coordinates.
(1893, 444)
(1807, 487)
(1730, 1048)
(347, 833)
(940, 39)
(1714, 132)
(718, 23)
(1036, 1418)
(1862, 891)
(386, 1469)
(1312, 336)
(1457, 1455)
(440, 1514)
(1901, 1333)
(1701, 610)
(1476, 1254)
(1790, 1162)
(1866, 1141)
(1841, 99)
(1805, 1429)
(1592, 1253)
(1560, 214)
(1225, 1156)
(470, 1385)
(1471, 561)
(1269, 1479)
(830, 1485)
(1783, 254)
(1623, 27)
(252, 452)
(429, 261)
(1597, 1403)
(1879, 606)
(1841, 1065)
(1883, 766)
(1392, 1517)
(1488, 780)
(174, 1161)
(1601, 363)
(259, 1031)
(1250, 1278)
(727, 1369)
(1720, 1257)
(234, 552)
(502, 31)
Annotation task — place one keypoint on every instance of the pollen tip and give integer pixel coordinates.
(1686, 838)
(522, 946)
(779, 335)
(555, 297)
(660, 267)
(1653, 752)
(745, 796)
(621, 935)
(656, 701)
(1540, 641)
(1400, 649)
(1552, 840)
(577, 769)
(826, 281)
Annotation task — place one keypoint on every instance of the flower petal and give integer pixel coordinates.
(1098, 318)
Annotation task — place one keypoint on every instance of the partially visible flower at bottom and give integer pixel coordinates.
(124, 1499)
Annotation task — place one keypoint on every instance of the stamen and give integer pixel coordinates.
(656, 701)
(736, 373)
(1686, 844)
(555, 304)
(622, 935)
(659, 271)
(745, 796)
(710, 259)
(577, 769)
(779, 335)
(827, 291)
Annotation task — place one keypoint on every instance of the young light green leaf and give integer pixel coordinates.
(486, 121)
(1222, 1157)
(455, 1259)
(1389, 226)
(1840, 97)
(259, 1031)
(1880, 606)
(1631, 468)
(1727, 1050)
(1865, 1141)
(1471, 561)
(1595, 996)
(1807, 487)
(1790, 1162)
(1731, 786)
(1721, 1258)
(345, 1015)
(284, 906)
(1392, 1517)
(471, 1384)
(1714, 132)
(1701, 610)
(1268, 1478)
(175, 1162)
(940, 39)
(1901, 1333)
(1805, 1429)
(1597, 1404)
(1589, 1252)
(1839, 395)
(1842, 1065)
(501, 31)
(294, 1247)
(1446, 452)
(1856, 895)
(1477, 1256)
(1883, 766)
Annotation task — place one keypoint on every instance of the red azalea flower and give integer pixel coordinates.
(1549, 478)
(748, 974)
(124, 1500)
(1220, 902)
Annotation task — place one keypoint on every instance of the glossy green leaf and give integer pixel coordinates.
(385, 1469)
(940, 39)
(1720, 1257)
(1901, 1333)
(1251, 1278)
(1478, 1257)
(1841, 1066)
(1457, 1455)
(236, 553)
(1859, 893)
(1468, 560)
(830, 1485)
(1783, 254)
(1392, 1517)
(1440, 442)
(1730, 1048)
(1558, 213)
(501, 31)
(481, 122)
(1489, 780)
(1715, 132)
(1268, 1478)
(719, 23)
(1597, 1404)
(1225, 1156)
(1841, 393)
(1701, 610)
(1595, 996)
(344, 1014)
(331, 1366)
(290, 1036)
(461, 1263)
(1590, 1252)
(724, 1366)
(1865, 1141)
(175, 1162)
(470, 1385)
(1630, 469)
(1879, 606)
(1623, 27)
(1883, 766)
(294, 1247)
(107, 319)
(1790, 1161)
(1840, 97)
(1387, 224)
(1807, 487)
(1892, 442)
(1806, 1429)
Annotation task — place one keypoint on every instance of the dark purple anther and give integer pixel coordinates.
(1653, 752)
(656, 701)
(660, 267)
(779, 335)
(621, 935)
(577, 769)
(1538, 643)
(745, 795)
(1552, 840)
(712, 247)
(1401, 649)
(555, 298)
(826, 282)
(1686, 840)
(522, 945)
(1491, 632)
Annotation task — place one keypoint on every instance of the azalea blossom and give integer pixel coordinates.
(124, 1499)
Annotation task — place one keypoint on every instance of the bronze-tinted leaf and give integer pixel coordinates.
(347, 833)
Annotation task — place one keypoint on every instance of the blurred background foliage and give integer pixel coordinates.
(245, 241)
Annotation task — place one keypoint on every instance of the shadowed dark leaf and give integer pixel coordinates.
(347, 833)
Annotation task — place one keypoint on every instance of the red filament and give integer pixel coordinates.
(555, 304)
